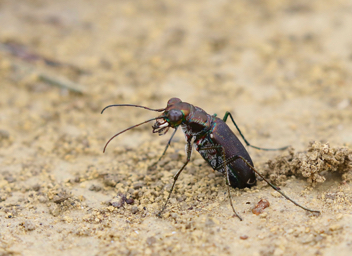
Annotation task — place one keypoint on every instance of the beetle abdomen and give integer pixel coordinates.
(240, 175)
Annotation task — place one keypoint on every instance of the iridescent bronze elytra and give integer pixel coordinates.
(213, 139)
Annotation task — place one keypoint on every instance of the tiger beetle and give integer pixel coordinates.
(213, 139)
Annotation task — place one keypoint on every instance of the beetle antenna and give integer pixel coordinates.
(129, 128)
(131, 105)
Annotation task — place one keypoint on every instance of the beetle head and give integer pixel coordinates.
(175, 113)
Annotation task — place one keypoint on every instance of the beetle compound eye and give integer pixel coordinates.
(175, 115)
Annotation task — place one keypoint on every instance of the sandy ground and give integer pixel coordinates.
(283, 68)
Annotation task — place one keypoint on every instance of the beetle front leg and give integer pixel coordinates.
(189, 152)
(167, 146)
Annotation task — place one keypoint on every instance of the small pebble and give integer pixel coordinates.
(151, 240)
(134, 209)
(261, 205)
(28, 225)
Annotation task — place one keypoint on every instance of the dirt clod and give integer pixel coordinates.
(317, 160)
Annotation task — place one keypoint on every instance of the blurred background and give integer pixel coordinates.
(282, 68)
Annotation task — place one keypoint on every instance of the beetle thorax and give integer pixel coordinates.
(197, 124)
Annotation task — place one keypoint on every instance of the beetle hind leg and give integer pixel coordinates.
(247, 143)
(237, 157)
(230, 198)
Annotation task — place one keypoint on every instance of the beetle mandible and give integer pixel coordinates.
(213, 139)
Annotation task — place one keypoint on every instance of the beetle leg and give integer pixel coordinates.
(236, 157)
(228, 182)
(247, 143)
(227, 174)
(189, 152)
(167, 146)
